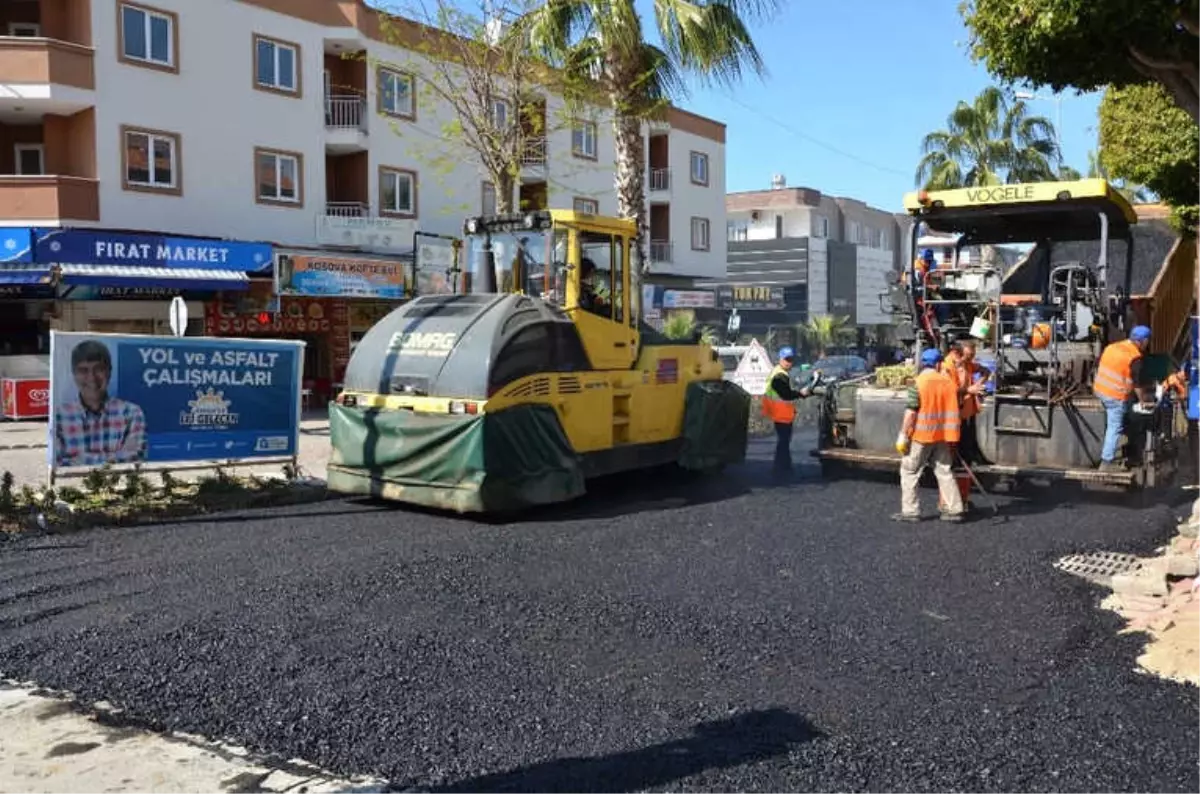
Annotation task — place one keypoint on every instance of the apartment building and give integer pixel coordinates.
(819, 254)
(302, 125)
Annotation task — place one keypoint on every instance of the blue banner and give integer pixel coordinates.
(157, 399)
(85, 247)
(16, 244)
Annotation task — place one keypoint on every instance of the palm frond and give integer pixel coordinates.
(709, 40)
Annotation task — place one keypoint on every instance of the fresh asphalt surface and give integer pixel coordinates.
(722, 635)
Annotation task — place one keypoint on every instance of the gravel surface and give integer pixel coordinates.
(725, 635)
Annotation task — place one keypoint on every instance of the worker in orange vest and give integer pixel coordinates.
(778, 405)
(969, 377)
(1118, 376)
(930, 435)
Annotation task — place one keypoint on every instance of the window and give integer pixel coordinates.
(397, 192)
(820, 226)
(30, 159)
(778, 227)
(852, 232)
(700, 240)
(279, 177)
(150, 160)
(583, 140)
(699, 169)
(487, 204)
(276, 66)
(29, 29)
(149, 37)
(737, 231)
(501, 113)
(396, 94)
(590, 206)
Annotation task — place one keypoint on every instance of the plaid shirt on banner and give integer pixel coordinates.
(117, 434)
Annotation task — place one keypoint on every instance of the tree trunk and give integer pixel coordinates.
(1180, 79)
(631, 181)
(505, 185)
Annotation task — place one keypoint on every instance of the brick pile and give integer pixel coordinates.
(1162, 599)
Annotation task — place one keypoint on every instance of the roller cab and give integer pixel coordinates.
(538, 377)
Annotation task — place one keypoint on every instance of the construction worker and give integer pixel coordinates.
(778, 406)
(969, 377)
(1118, 377)
(930, 435)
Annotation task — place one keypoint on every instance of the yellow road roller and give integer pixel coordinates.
(535, 376)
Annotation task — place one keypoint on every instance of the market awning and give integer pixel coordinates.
(198, 279)
(24, 275)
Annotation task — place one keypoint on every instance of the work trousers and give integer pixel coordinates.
(968, 444)
(783, 446)
(910, 474)
(1114, 425)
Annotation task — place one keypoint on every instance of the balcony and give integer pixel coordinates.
(660, 252)
(535, 152)
(345, 123)
(660, 180)
(347, 209)
(49, 198)
(45, 76)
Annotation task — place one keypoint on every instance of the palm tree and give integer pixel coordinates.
(1134, 194)
(823, 331)
(988, 142)
(600, 46)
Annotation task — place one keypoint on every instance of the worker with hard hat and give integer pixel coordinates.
(970, 378)
(1118, 379)
(778, 405)
(930, 435)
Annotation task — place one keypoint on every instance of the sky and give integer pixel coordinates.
(851, 90)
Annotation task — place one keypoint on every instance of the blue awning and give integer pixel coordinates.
(198, 279)
(24, 275)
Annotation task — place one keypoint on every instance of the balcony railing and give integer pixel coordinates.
(345, 111)
(660, 251)
(45, 61)
(660, 179)
(29, 198)
(347, 209)
(535, 152)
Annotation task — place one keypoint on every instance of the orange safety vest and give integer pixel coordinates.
(963, 376)
(938, 419)
(777, 410)
(1114, 376)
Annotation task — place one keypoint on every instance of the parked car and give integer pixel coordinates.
(841, 367)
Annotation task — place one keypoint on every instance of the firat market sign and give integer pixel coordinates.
(79, 247)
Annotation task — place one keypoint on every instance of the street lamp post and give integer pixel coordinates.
(1057, 100)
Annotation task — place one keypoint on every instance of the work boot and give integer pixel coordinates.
(1112, 466)
(952, 518)
(905, 518)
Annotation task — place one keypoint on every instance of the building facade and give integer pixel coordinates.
(306, 126)
(823, 255)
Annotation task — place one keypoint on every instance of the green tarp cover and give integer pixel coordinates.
(715, 423)
(502, 461)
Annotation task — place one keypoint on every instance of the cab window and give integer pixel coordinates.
(596, 259)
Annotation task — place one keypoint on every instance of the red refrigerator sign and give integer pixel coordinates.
(26, 398)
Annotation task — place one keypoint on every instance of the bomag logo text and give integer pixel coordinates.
(1000, 193)
(422, 344)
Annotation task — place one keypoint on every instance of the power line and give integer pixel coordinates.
(822, 144)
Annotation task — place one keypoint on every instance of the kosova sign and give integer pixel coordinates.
(128, 399)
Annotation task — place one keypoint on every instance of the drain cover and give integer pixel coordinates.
(1099, 567)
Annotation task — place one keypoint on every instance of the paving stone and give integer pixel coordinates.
(1185, 565)
(1150, 581)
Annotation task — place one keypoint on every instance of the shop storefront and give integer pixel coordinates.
(323, 324)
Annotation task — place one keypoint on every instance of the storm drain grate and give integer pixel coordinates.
(1099, 567)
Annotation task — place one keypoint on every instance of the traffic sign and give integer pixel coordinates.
(179, 316)
(754, 369)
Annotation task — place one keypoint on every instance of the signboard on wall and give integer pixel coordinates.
(167, 399)
(344, 277)
(386, 234)
(83, 247)
(750, 298)
(688, 299)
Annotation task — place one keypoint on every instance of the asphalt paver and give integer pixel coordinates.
(661, 633)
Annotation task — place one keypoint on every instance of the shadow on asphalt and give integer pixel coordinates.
(719, 744)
